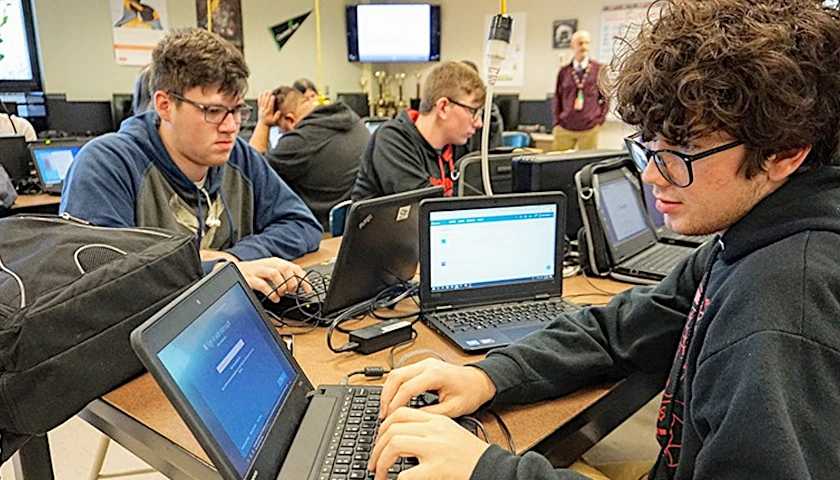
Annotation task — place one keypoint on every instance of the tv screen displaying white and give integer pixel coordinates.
(393, 33)
(18, 60)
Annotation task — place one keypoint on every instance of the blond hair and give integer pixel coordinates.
(453, 80)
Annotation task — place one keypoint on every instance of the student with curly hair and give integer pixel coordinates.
(737, 105)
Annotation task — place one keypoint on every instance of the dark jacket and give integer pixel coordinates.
(595, 105)
(319, 159)
(398, 159)
(128, 179)
(497, 126)
(748, 330)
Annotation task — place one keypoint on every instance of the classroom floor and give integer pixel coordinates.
(73, 446)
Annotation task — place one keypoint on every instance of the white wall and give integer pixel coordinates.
(78, 58)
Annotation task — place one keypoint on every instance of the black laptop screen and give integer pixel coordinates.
(218, 361)
(491, 247)
(623, 217)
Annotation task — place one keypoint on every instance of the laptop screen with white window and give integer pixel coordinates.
(492, 247)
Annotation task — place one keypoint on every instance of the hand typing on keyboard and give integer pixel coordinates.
(461, 390)
(444, 450)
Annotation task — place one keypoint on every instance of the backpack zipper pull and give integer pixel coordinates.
(68, 217)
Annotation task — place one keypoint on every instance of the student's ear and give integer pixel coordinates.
(163, 104)
(440, 105)
(291, 120)
(781, 165)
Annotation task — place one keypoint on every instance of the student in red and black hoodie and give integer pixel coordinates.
(737, 104)
(414, 150)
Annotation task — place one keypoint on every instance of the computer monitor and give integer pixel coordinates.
(556, 172)
(358, 102)
(122, 107)
(535, 112)
(508, 104)
(79, 118)
(14, 157)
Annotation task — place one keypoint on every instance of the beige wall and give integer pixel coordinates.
(78, 58)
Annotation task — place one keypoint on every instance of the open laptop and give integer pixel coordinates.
(637, 255)
(664, 233)
(491, 268)
(52, 161)
(378, 250)
(15, 159)
(217, 358)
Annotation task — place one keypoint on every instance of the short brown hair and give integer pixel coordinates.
(453, 80)
(192, 57)
(287, 99)
(767, 72)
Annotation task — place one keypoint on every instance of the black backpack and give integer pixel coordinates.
(70, 295)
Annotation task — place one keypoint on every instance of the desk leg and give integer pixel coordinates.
(33, 461)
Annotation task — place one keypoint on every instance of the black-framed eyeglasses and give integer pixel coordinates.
(474, 112)
(674, 166)
(216, 114)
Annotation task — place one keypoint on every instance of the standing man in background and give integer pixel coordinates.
(579, 106)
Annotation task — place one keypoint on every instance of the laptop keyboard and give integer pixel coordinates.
(502, 315)
(352, 439)
(661, 259)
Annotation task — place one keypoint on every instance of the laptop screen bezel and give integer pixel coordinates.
(486, 295)
(620, 251)
(156, 333)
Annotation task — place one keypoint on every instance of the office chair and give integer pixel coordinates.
(516, 139)
(338, 214)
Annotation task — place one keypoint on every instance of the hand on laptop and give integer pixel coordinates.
(446, 450)
(461, 389)
(271, 276)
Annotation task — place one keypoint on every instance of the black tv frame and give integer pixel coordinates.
(353, 37)
(36, 84)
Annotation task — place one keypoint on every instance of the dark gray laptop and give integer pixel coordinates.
(637, 255)
(491, 268)
(378, 250)
(223, 366)
(52, 161)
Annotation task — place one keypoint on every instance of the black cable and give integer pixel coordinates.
(6, 110)
(505, 430)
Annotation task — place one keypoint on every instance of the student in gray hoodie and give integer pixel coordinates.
(318, 153)
(182, 167)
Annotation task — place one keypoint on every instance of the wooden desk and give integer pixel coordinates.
(38, 203)
(138, 415)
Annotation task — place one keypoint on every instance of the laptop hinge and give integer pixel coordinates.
(443, 308)
(542, 296)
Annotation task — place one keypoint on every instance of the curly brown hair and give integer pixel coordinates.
(192, 57)
(767, 72)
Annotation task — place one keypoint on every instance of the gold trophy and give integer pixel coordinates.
(401, 105)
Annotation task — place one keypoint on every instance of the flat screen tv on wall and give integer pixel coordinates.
(393, 33)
